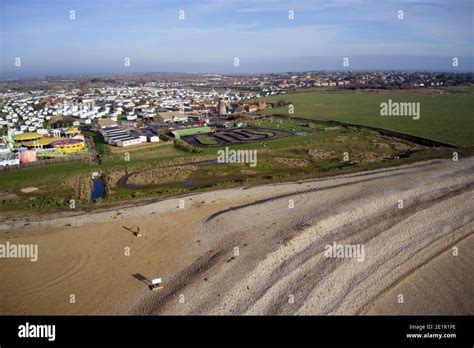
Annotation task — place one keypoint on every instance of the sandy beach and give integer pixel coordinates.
(260, 250)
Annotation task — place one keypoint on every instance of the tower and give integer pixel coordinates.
(222, 107)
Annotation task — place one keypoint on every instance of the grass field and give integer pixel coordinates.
(315, 154)
(447, 118)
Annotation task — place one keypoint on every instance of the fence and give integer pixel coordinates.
(45, 162)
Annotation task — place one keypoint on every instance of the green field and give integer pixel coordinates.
(317, 153)
(448, 117)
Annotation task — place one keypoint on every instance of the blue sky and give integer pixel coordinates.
(258, 32)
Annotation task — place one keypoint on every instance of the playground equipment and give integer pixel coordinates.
(9, 142)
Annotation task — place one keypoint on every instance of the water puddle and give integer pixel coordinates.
(98, 189)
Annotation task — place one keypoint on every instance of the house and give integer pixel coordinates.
(105, 122)
(251, 108)
(171, 116)
(129, 123)
(117, 136)
(124, 142)
(153, 138)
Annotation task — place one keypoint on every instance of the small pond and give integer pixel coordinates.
(98, 189)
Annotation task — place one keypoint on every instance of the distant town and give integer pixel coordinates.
(44, 118)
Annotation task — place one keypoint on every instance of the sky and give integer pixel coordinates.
(101, 36)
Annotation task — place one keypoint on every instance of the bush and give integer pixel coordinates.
(283, 102)
(164, 137)
(184, 146)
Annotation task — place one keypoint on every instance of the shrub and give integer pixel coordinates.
(165, 137)
(283, 102)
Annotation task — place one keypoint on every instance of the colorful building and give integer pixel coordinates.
(68, 145)
(190, 131)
